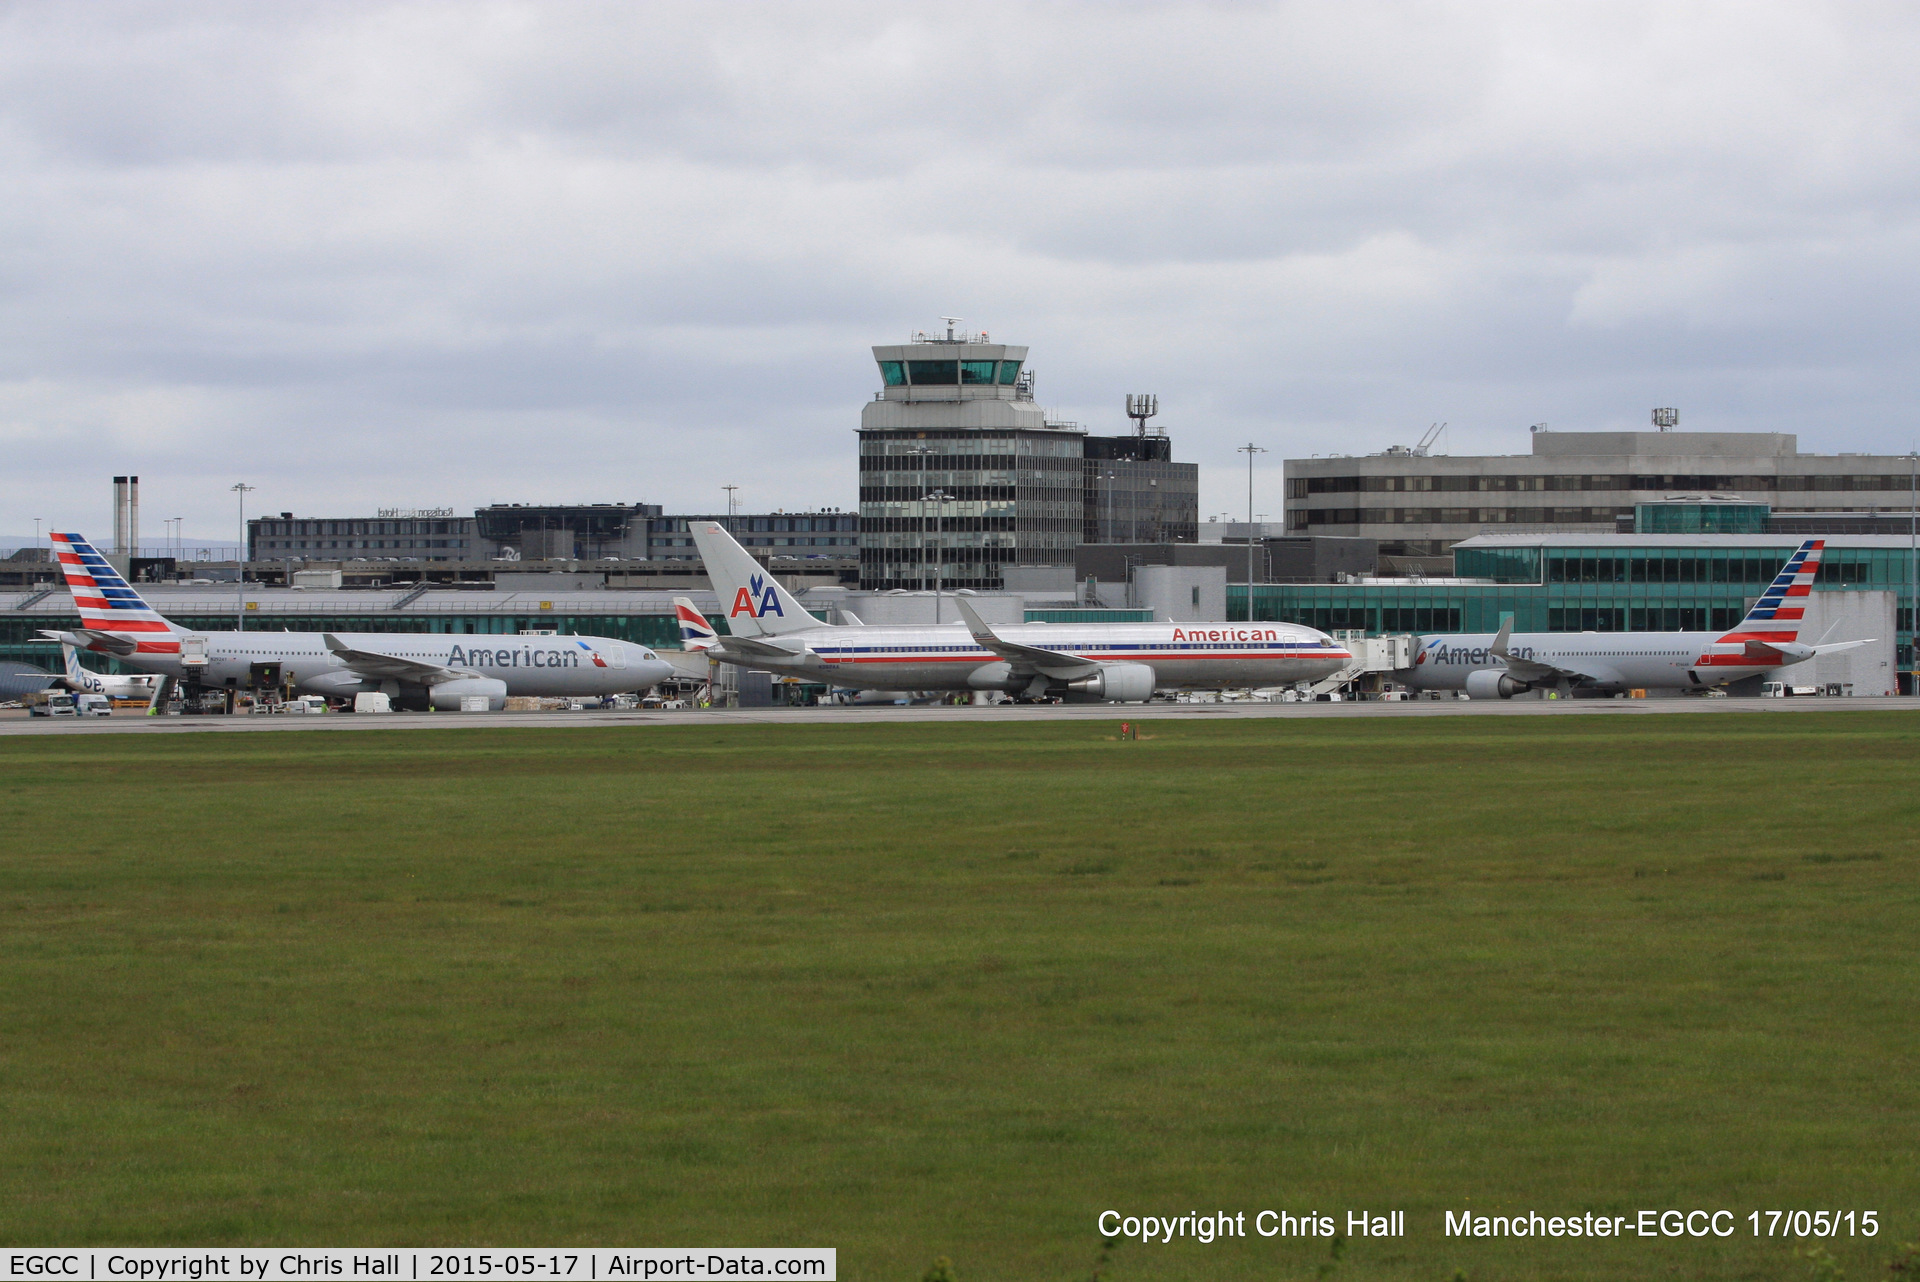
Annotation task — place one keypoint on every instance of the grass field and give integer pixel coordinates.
(953, 990)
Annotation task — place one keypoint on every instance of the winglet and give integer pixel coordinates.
(975, 624)
(1498, 648)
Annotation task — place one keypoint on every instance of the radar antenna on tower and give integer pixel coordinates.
(1141, 406)
(951, 322)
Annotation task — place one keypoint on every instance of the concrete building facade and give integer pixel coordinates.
(961, 474)
(1135, 493)
(1418, 506)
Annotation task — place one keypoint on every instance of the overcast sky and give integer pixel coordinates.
(368, 255)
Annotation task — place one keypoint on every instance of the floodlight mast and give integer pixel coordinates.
(242, 489)
(1249, 449)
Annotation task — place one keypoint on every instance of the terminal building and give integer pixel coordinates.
(532, 532)
(1419, 505)
(962, 475)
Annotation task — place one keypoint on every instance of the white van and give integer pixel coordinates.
(92, 705)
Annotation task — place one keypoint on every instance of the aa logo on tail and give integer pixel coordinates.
(756, 600)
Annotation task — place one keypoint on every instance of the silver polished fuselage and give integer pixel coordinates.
(1182, 655)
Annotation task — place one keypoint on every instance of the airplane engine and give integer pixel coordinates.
(447, 695)
(1492, 683)
(1114, 683)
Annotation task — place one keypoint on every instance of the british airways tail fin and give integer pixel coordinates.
(105, 601)
(752, 599)
(695, 632)
(1776, 616)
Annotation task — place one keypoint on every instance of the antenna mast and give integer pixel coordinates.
(1141, 406)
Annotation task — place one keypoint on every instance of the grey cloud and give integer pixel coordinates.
(484, 251)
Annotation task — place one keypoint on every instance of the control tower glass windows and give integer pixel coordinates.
(893, 373)
(934, 373)
(976, 373)
(1009, 371)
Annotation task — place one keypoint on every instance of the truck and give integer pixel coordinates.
(63, 703)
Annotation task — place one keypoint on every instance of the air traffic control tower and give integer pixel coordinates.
(960, 472)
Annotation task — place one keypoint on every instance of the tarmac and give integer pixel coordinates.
(132, 722)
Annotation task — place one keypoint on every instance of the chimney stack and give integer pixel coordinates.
(126, 515)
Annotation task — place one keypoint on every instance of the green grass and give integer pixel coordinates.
(919, 990)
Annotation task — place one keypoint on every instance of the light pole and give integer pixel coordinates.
(933, 542)
(240, 488)
(730, 489)
(1249, 449)
(922, 453)
(1913, 572)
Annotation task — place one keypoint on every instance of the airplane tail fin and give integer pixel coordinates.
(1776, 616)
(695, 632)
(74, 671)
(755, 603)
(106, 602)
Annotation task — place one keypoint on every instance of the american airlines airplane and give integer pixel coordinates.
(416, 669)
(1500, 665)
(1084, 662)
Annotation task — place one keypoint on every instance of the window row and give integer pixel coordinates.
(874, 557)
(914, 524)
(263, 528)
(1301, 486)
(1663, 569)
(315, 545)
(949, 373)
(1301, 519)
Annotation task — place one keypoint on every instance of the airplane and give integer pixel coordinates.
(415, 669)
(695, 632)
(1502, 665)
(81, 681)
(1084, 662)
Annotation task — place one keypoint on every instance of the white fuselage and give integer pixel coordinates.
(555, 665)
(1613, 660)
(114, 687)
(1182, 655)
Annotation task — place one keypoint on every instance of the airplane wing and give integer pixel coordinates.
(371, 663)
(756, 650)
(90, 639)
(1536, 673)
(1024, 658)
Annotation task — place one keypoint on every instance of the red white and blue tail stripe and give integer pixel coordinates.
(695, 632)
(1776, 615)
(106, 602)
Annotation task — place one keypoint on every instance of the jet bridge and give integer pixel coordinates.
(1370, 655)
